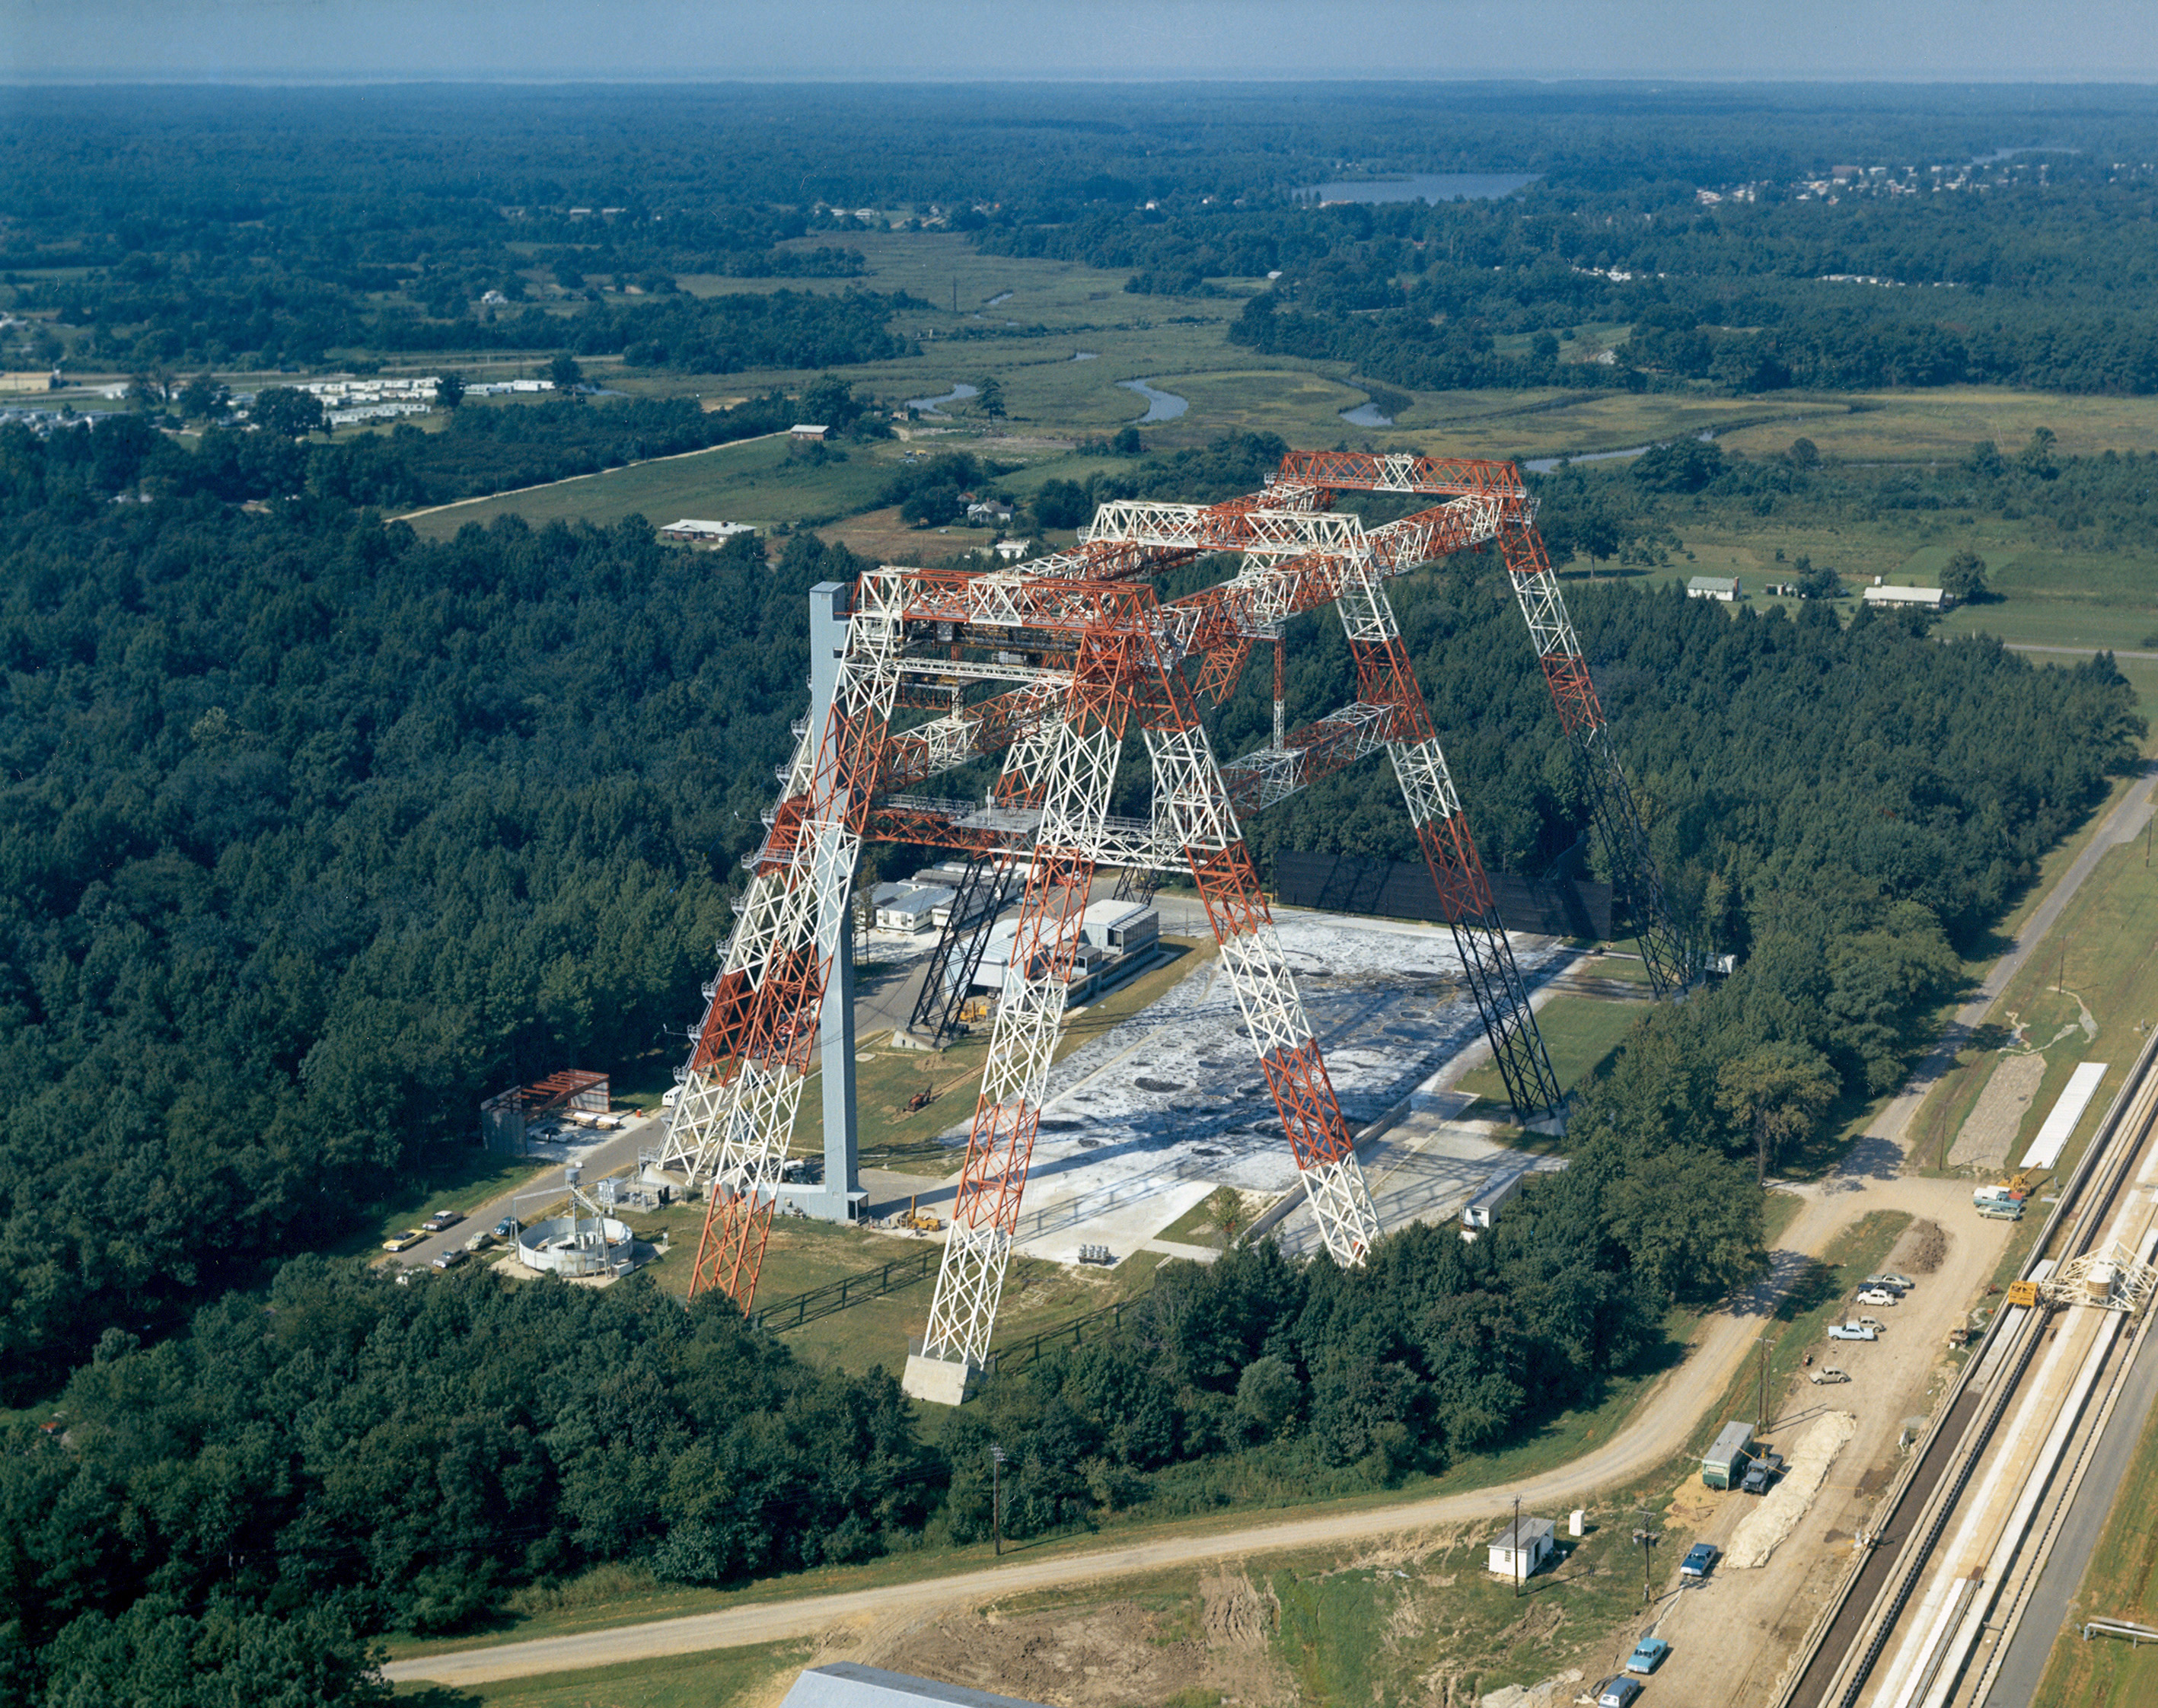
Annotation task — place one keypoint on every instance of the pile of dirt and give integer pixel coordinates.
(1922, 1248)
(1238, 1614)
(1990, 1130)
(1781, 1508)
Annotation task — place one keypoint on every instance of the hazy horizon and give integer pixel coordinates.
(1992, 42)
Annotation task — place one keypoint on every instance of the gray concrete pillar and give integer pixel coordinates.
(836, 1200)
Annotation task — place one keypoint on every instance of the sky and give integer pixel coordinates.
(988, 40)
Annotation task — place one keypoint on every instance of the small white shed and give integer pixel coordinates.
(1522, 1555)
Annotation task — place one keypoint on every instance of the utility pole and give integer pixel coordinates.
(1761, 1400)
(1648, 1538)
(997, 1498)
(1517, 1547)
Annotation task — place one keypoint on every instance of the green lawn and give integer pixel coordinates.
(2104, 948)
(1581, 1033)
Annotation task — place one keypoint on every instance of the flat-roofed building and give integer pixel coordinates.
(697, 533)
(1924, 598)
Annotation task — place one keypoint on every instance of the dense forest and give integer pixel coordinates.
(317, 831)
(2007, 242)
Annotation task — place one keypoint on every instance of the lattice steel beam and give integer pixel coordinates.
(752, 1055)
(1385, 677)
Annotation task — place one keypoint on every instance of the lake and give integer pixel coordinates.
(1426, 187)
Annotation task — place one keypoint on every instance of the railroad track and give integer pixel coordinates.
(1896, 1629)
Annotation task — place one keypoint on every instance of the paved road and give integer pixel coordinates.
(2076, 1543)
(618, 1150)
(2073, 652)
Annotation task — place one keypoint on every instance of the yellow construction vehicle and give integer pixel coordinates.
(922, 1221)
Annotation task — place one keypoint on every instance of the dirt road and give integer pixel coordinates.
(1869, 1179)
(1659, 1427)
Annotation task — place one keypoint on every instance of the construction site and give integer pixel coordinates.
(1307, 1062)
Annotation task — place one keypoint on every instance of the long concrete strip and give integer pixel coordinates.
(2122, 825)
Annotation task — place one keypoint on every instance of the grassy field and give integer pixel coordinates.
(1354, 1627)
(1580, 1032)
(2047, 596)
(2103, 959)
(755, 481)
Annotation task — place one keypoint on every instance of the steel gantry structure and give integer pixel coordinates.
(1668, 956)
(1083, 650)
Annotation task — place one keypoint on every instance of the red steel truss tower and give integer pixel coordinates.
(1618, 820)
(1085, 652)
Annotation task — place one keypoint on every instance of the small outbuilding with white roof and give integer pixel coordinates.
(845, 1684)
(1519, 1552)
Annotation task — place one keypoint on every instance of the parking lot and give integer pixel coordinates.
(1731, 1631)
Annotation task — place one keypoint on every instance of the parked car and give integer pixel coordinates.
(504, 1228)
(1873, 1323)
(1619, 1692)
(479, 1242)
(443, 1219)
(1648, 1655)
(405, 1240)
(1879, 1296)
(1828, 1374)
(1852, 1331)
(451, 1258)
(1899, 1284)
(1700, 1561)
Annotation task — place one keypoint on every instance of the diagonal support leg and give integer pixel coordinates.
(746, 1078)
(1385, 677)
(1625, 839)
(1081, 768)
(1192, 801)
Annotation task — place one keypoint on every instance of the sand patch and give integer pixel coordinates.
(1989, 1131)
(1780, 1510)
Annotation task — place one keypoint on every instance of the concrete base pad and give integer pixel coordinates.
(938, 1381)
